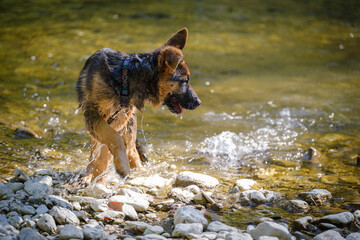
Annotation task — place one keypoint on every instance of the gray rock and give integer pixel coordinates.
(33, 187)
(44, 172)
(3, 220)
(29, 234)
(267, 238)
(154, 230)
(357, 214)
(20, 175)
(329, 235)
(237, 236)
(47, 223)
(5, 191)
(26, 210)
(326, 226)
(217, 226)
(136, 225)
(14, 219)
(353, 236)
(340, 219)
(188, 214)
(193, 188)
(152, 237)
(70, 231)
(297, 206)
(151, 182)
(15, 186)
(6, 230)
(187, 178)
(184, 229)
(129, 212)
(135, 194)
(210, 235)
(30, 223)
(139, 204)
(97, 190)
(182, 195)
(245, 184)
(271, 229)
(58, 201)
(64, 215)
(256, 197)
(111, 214)
(41, 209)
(45, 180)
(99, 205)
(315, 196)
(303, 223)
(199, 199)
(96, 232)
(5, 205)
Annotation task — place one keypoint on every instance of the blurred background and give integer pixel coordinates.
(279, 83)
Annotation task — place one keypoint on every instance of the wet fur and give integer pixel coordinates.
(154, 77)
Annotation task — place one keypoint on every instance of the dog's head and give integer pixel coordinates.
(174, 86)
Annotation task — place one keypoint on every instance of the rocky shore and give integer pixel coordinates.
(49, 205)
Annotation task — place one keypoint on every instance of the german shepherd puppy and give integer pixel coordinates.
(158, 77)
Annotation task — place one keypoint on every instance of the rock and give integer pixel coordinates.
(256, 197)
(135, 194)
(329, 235)
(315, 196)
(303, 223)
(109, 215)
(353, 236)
(15, 186)
(96, 232)
(199, 199)
(326, 226)
(340, 219)
(138, 226)
(297, 206)
(30, 223)
(184, 229)
(271, 229)
(311, 154)
(139, 204)
(267, 238)
(45, 180)
(44, 172)
(151, 182)
(20, 176)
(97, 190)
(35, 188)
(357, 214)
(6, 230)
(70, 231)
(152, 237)
(237, 236)
(182, 195)
(29, 234)
(47, 223)
(26, 210)
(245, 184)
(5, 191)
(217, 226)
(154, 230)
(188, 214)
(129, 212)
(64, 215)
(58, 201)
(14, 219)
(193, 188)
(187, 178)
(42, 209)
(99, 205)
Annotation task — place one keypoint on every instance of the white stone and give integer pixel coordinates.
(14, 219)
(129, 212)
(188, 214)
(193, 188)
(315, 196)
(357, 214)
(111, 214)
(26, 210)
(139, 204)
(267, 238)
(35, 188)
(217, 226)
(184, 229)
(6, 230)
(237, 236)
(151, 182)
(256, 197)
(15, 186)
(99, 205)
(45, 180)
(47, 223)
(297, 206)
(271, 229)
(134, 194)
(341, 219)
(245, 184)
(97, 190)
(353, 236)
(70, 231)
(151, 237)
(210, 235)
(329, 235)
(154, 230)
(187, 178)
(64, 215)
(182, 195)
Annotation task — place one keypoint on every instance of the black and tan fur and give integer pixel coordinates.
(158, 77)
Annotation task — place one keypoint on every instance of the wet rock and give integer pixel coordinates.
(14, 219)
(303, 223)
(26, 210)
(26, 133)
(139, 204)
(311, 154)
(58, 201)
(154, 230)
(154, 181)
(64, 215)
(187, 178)
(353, 236)
(237, 236)
(42, 209)
(29, 233)
(315, 196)
(297, 206)
(35, 188)
(47, 223)
(271, 229)
(5, 191)
(109, 215)
(136, 225)
(182, 195)
(188, 214)
(340, 219)
(70, 231)
(97, 190)
(217, 226)
(96, 232)
(329, 235)
(245, 184)
(184, 229)
(256, 197)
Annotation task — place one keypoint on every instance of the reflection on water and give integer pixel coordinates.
(276, 78)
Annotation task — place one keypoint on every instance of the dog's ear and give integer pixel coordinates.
(178, 40)
(172, 60)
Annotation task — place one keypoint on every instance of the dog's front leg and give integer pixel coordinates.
(103, 133)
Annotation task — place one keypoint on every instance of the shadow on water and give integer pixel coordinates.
(276, 79)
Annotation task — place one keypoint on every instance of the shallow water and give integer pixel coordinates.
(275, 78)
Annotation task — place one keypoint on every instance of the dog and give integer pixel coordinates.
(114, 85)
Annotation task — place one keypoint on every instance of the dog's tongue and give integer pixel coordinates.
(177, 105)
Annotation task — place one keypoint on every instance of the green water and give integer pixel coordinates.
(275, 78)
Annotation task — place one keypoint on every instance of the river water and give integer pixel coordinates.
(276, 78)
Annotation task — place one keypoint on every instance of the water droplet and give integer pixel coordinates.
(212, 91)
(351, 35)
(116, 16)
(341, 47)
(50, 55)
(207, 83)
(32, 58)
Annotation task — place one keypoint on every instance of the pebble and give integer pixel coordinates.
(47, 223)
(140, 204)
(29, 233)
(154, 181)
(217, 226)
(7, 230)
(99, 205)
(340, 219)
(315, 196)
(15, 186)
(184, 229)
(14, 219)
(64, 215)
(329, 235)
(271, 229)
(70, 231)
(20, 175)
(187, 178)
(245, 184)
(188, 214)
